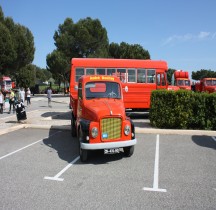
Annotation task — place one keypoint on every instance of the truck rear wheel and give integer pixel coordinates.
(128, 151)
(73, 127)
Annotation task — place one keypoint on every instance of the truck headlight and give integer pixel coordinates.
(127, 130)
(94, 132)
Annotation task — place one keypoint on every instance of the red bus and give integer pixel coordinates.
(139, 77)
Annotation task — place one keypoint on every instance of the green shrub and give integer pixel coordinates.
(183, 110)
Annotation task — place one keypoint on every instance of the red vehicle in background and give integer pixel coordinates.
(181, 80)
(206, 85)
(138, 77)
(6, 83)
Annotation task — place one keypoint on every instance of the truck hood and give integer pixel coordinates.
(185, 87)
(210, 89)
(97, 108)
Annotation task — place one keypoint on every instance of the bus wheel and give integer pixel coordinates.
(128, 151)
(73, 127)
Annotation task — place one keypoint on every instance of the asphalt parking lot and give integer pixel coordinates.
(43, 171)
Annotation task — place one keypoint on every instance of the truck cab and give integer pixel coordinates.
(98, 117)
(181, 81)
(206, 85)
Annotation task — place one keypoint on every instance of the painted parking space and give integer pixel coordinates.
(184, 166)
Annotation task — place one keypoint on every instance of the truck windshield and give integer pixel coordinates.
(102, 90)
(211, 82)
(187, 82)
(183, 82)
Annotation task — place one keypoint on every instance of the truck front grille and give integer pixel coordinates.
(111, 128)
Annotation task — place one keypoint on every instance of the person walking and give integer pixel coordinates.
(12, 101)
(49, 96)
(28, 96)
(1, 102)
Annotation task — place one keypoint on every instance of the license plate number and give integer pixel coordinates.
(111, 151)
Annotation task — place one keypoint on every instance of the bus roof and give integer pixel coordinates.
(118, 63)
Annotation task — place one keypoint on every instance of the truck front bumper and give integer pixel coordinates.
(108, 145)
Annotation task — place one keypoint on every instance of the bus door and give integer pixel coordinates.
(161, 81)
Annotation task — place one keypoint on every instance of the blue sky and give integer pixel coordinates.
(181, 32)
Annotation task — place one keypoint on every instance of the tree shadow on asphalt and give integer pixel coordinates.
(61, 141)
(67, 148)
(57, 115)
(204, 141)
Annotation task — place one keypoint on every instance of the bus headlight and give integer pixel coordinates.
(127, 130)
(94, 132)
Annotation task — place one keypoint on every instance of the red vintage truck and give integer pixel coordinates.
(181, 81)
(206, 85)
(98, 116)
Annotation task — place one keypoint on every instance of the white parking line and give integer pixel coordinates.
(56, 177)
(156, 170)
(26, 147)
(214, 138)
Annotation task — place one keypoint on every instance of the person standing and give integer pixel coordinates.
(12, 101)
(1, 102)
(28, 96)
(22, 95)
(49, 96)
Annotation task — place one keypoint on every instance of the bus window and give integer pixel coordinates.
(111, 71)
(131, 75)
(100, 71)
(141, 76)
(121, 74)
(150, 76)
(158, 79)
(90, 72)
(79, 73)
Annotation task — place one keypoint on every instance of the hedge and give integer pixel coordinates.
(183, 110)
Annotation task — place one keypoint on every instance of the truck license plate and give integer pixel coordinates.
(111, 151)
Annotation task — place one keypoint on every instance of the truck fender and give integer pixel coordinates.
(84, 126)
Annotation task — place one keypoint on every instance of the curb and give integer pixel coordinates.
(138, 130)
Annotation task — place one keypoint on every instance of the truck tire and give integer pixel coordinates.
(83, 155)
(128, 151)
(73, 127)
(82, 152)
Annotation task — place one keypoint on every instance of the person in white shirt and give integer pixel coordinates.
(49, 96)
(22, 95)
(28, 96)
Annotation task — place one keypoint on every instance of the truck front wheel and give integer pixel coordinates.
(128, 151)
(83, 155)
(82, 152)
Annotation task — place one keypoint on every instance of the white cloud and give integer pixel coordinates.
(203, 35)
(189, 37)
